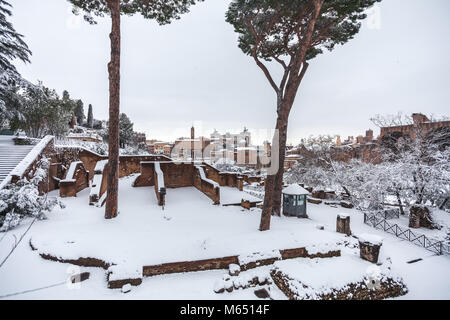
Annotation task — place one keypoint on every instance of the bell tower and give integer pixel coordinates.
(192, 143)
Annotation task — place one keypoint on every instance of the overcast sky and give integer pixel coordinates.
(192, 72)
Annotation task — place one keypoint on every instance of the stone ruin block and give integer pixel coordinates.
(315, 201)
(334, 281)
(119, 276)
(346, 204)
(77, 179)
(419, 216)
(245, 280)
(245, 204)
(343, 224)
(234, 269)
(258, 259)
(369, 247)
(319, 194)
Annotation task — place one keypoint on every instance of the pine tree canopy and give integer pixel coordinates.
(277, 28)
(163, 11)
(12, 45)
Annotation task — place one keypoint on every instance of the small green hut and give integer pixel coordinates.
(294, 201)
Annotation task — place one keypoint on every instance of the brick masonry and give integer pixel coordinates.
(343, 225)
(70, 188)
(224, 262)
(369, 251)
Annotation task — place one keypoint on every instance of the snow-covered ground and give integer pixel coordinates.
(189, 228)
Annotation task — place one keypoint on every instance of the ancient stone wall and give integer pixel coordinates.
(189, 266)
(72, 185)
(178, 175)
(206, 187)
(49, 152)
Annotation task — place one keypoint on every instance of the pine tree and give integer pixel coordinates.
(161, 11)
(90, 118)
(125, 130)
(290, 33)
(12, 47)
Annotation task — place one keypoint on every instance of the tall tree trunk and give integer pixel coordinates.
(286, 94)
(282, 124)
(400, 204)
(114, 108)
(268, 202)
(269, 184)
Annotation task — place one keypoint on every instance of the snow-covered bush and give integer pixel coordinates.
(131, 150)
(412, 172)
(228, 165)
(22, 199)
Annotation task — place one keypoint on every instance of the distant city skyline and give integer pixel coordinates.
(192, 72)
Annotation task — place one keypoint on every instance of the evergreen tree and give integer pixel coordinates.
(125, 130)
(90, 118)
(58, 115)
(290, 33)
(161, 11)
(41, 112)
(12, 47)
(67, 102)
(79, 111)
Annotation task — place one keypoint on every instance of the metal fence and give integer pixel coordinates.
(379, 222)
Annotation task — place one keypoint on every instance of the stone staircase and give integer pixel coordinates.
(10, 155)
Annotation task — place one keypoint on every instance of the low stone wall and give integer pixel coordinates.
(47, 151)
(206, 187)
(146, 177)
(97, 191)
(83, 262)
(176, 175)
(127, 164)
(185, 266)
(70, 186)
(224, 262)
(117, 284)
(132, 164)
(189, 266)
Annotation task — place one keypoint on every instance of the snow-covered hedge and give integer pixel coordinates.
(22, 199)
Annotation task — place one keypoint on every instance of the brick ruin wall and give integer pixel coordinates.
(424, 127)
(176, 175)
